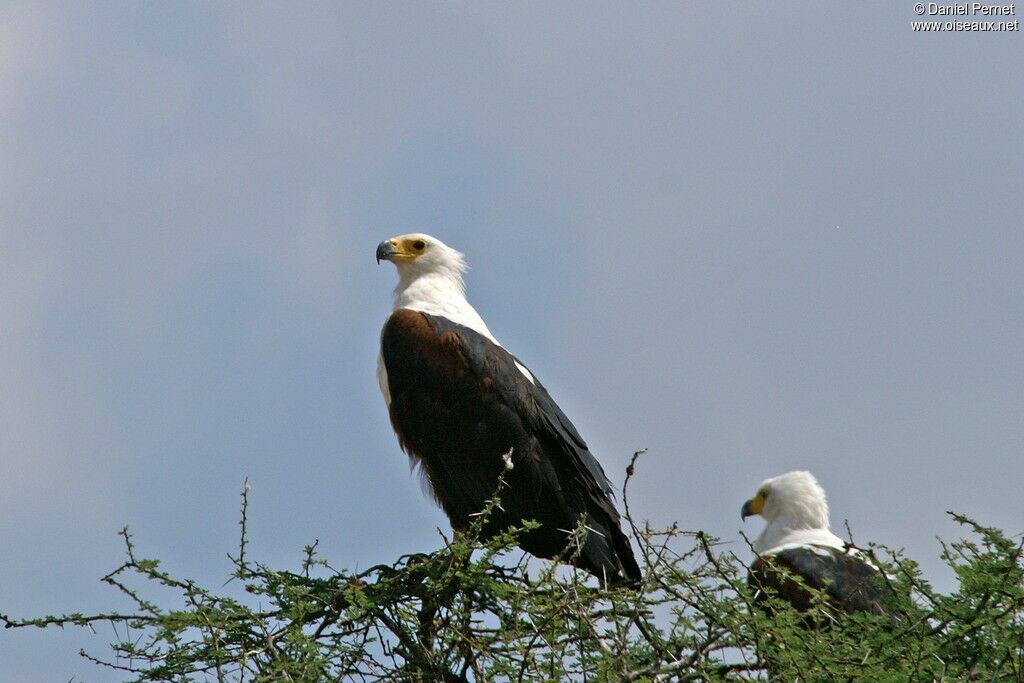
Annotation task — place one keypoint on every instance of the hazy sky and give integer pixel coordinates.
(750, 237)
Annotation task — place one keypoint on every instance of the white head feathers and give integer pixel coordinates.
(796, 510)
(430, 279)
(433, 259)
(798, 497)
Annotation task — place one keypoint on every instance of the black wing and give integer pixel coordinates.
(851, 583)
(458, 403)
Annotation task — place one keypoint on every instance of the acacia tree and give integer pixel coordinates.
(479, 611)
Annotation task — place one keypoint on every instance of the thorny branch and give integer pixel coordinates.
(471, 612)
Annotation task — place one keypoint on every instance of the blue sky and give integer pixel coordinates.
(749, 237)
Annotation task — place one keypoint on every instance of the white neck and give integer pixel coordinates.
(783, 531)
(438, 293)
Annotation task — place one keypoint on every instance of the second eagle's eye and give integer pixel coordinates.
(418, 245)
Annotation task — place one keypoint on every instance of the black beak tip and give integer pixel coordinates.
(384, 249)
(745, 511)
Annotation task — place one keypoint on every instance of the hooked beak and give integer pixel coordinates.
(386, 250)
(754, 506)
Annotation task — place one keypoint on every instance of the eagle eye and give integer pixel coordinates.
(418, 245)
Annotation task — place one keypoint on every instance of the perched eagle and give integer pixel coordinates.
(465, 409)
(797, 542)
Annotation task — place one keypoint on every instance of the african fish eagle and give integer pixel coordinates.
(797, 541)
(465, 409)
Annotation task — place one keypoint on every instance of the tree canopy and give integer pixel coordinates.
(482, 611)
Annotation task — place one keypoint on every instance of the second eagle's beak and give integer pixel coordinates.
(386, 250)
(754, 506)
